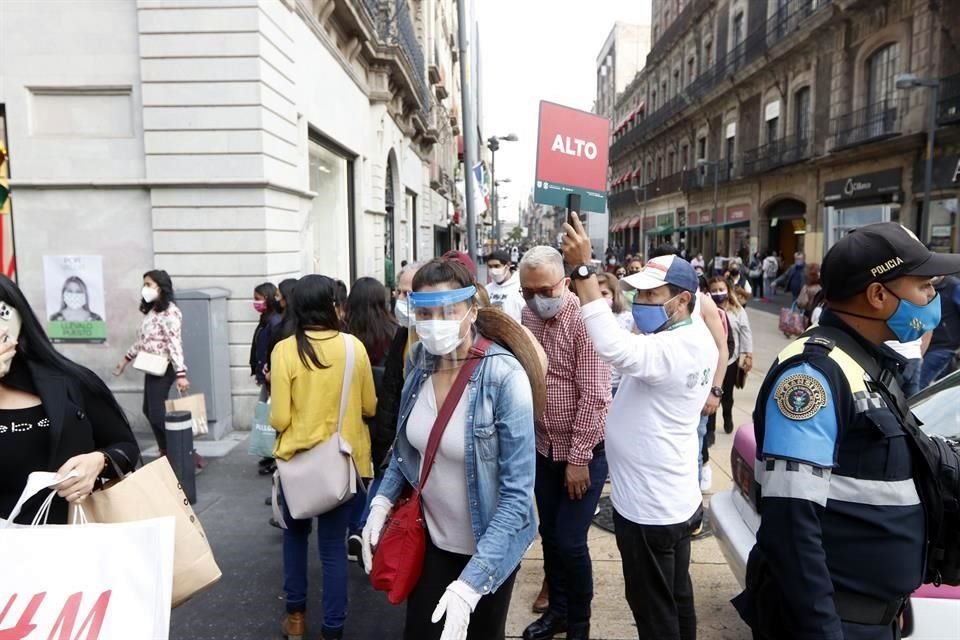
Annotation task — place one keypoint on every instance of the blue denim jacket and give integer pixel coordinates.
(500, 462)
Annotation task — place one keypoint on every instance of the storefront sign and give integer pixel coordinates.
(572, 150)
(739, 213)
(946, 173)
(706, 216)
(649, 222)
(870, 185)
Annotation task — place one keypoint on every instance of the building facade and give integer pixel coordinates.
(760, 125)
(229, 143)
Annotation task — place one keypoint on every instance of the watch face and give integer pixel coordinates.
(583, 271)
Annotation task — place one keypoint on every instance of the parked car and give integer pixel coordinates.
(934, 612)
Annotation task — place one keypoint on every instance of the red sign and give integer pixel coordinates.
(572, 150)
(738, 213)
(706, 216)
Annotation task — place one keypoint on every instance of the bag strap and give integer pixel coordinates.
(347, 378)
(450, 405)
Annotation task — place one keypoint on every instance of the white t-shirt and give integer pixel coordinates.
(651, 431)
(507, 296)
(445, 500)
(912, 350)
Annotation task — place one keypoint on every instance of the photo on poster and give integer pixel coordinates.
(76, 307)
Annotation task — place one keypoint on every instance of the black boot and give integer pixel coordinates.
(545, 628)
(579, 631)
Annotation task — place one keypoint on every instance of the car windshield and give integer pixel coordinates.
(940, 411)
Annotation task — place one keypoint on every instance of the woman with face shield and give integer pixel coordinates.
(473, 397)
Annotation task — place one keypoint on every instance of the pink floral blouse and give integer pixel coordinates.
(161, 334)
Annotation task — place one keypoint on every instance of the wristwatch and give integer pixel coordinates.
(717, 391)
(582, 272)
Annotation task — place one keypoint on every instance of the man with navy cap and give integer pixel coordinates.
(651, 429)
(842, 540)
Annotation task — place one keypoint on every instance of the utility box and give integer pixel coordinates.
(206, 349)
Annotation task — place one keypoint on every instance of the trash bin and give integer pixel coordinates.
(179, 428)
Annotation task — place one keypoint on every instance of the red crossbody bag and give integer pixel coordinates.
(398, 560)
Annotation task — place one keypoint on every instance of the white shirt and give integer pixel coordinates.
(651, 432)
(445, 501)
(912, 350)
(507, 296)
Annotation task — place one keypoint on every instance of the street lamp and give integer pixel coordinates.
(909, 81)
(494, 144)
(702, 163)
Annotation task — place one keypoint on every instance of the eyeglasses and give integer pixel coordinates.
(546, 292)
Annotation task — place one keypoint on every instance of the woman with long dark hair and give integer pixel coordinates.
(266, 304)
(66, 418)
(369, 320)
(307, 372)
(161, 334)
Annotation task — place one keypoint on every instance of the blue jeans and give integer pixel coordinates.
(934, 362)
(361, 507)
(563, 528)
(332, 540)
(702, 434)
(768, 287)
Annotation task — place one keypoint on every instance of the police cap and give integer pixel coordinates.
(879, 253)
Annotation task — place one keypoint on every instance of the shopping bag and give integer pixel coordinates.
(263, 437)
(792, 321)
(150, 492)
(91, 581)
(196, 404)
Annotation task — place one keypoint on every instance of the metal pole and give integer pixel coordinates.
(470, 141)
(494, 199)
(931, 133)
(716, 198)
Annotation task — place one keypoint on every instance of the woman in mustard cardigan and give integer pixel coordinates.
(307, 371)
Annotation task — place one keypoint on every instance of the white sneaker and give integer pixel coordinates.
(706, 478)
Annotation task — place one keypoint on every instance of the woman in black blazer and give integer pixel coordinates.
(55, 415)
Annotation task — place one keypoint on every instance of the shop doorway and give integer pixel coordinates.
(787, 226)
(390, 223)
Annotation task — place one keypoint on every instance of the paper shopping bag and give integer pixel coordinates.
(153, 491)
(196, 404)
(93, 581)
(263, 437)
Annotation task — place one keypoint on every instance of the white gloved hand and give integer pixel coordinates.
(380, 508)
(457, 604)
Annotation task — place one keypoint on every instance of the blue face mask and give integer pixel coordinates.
(910, 321)
(650, 318)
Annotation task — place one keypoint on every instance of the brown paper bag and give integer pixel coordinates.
(153, 492)
(196, 404)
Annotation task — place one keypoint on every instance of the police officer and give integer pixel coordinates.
(841, 543)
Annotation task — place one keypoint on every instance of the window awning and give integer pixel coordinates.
(635, 174)
(636, 222)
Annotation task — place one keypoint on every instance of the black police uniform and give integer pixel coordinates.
(842, 537)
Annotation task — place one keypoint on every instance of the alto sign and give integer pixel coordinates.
(572, 152)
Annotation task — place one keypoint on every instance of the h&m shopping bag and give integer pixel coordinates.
(91, 581)
(263, 437)
(150, 492)
(196, 404)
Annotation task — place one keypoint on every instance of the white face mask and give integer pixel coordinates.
(402, 310)
(149, 294)
(440, 337)
(74, 300)
(499, 275)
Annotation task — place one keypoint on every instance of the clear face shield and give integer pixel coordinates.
(443, 321)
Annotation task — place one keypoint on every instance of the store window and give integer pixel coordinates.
(942, 226)
(330, 212)
(843, 221)
(801, 110)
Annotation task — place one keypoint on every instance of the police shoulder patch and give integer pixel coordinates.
(800, 396)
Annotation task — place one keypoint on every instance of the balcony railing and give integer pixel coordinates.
(395, 29)
(876, 122)
(751, 49)
(704, 178)
(948, 109)
(776, 154)
(622, 199)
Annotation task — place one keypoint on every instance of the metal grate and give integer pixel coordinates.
(874, 122)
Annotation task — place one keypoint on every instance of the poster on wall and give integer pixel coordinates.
(76, 309)
(8, 262)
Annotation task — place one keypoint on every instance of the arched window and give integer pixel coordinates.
(881, 76)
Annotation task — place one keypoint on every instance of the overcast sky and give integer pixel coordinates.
(533, 50)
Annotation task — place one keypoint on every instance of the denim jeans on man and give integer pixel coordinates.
(934, 362)
(768, 287)
(563, 528)
(656, 573)
(332, 541)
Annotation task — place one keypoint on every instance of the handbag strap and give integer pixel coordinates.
(450, 405)
(347, 378)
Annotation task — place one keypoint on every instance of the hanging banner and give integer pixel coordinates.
(76, 307)
(572, 153)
